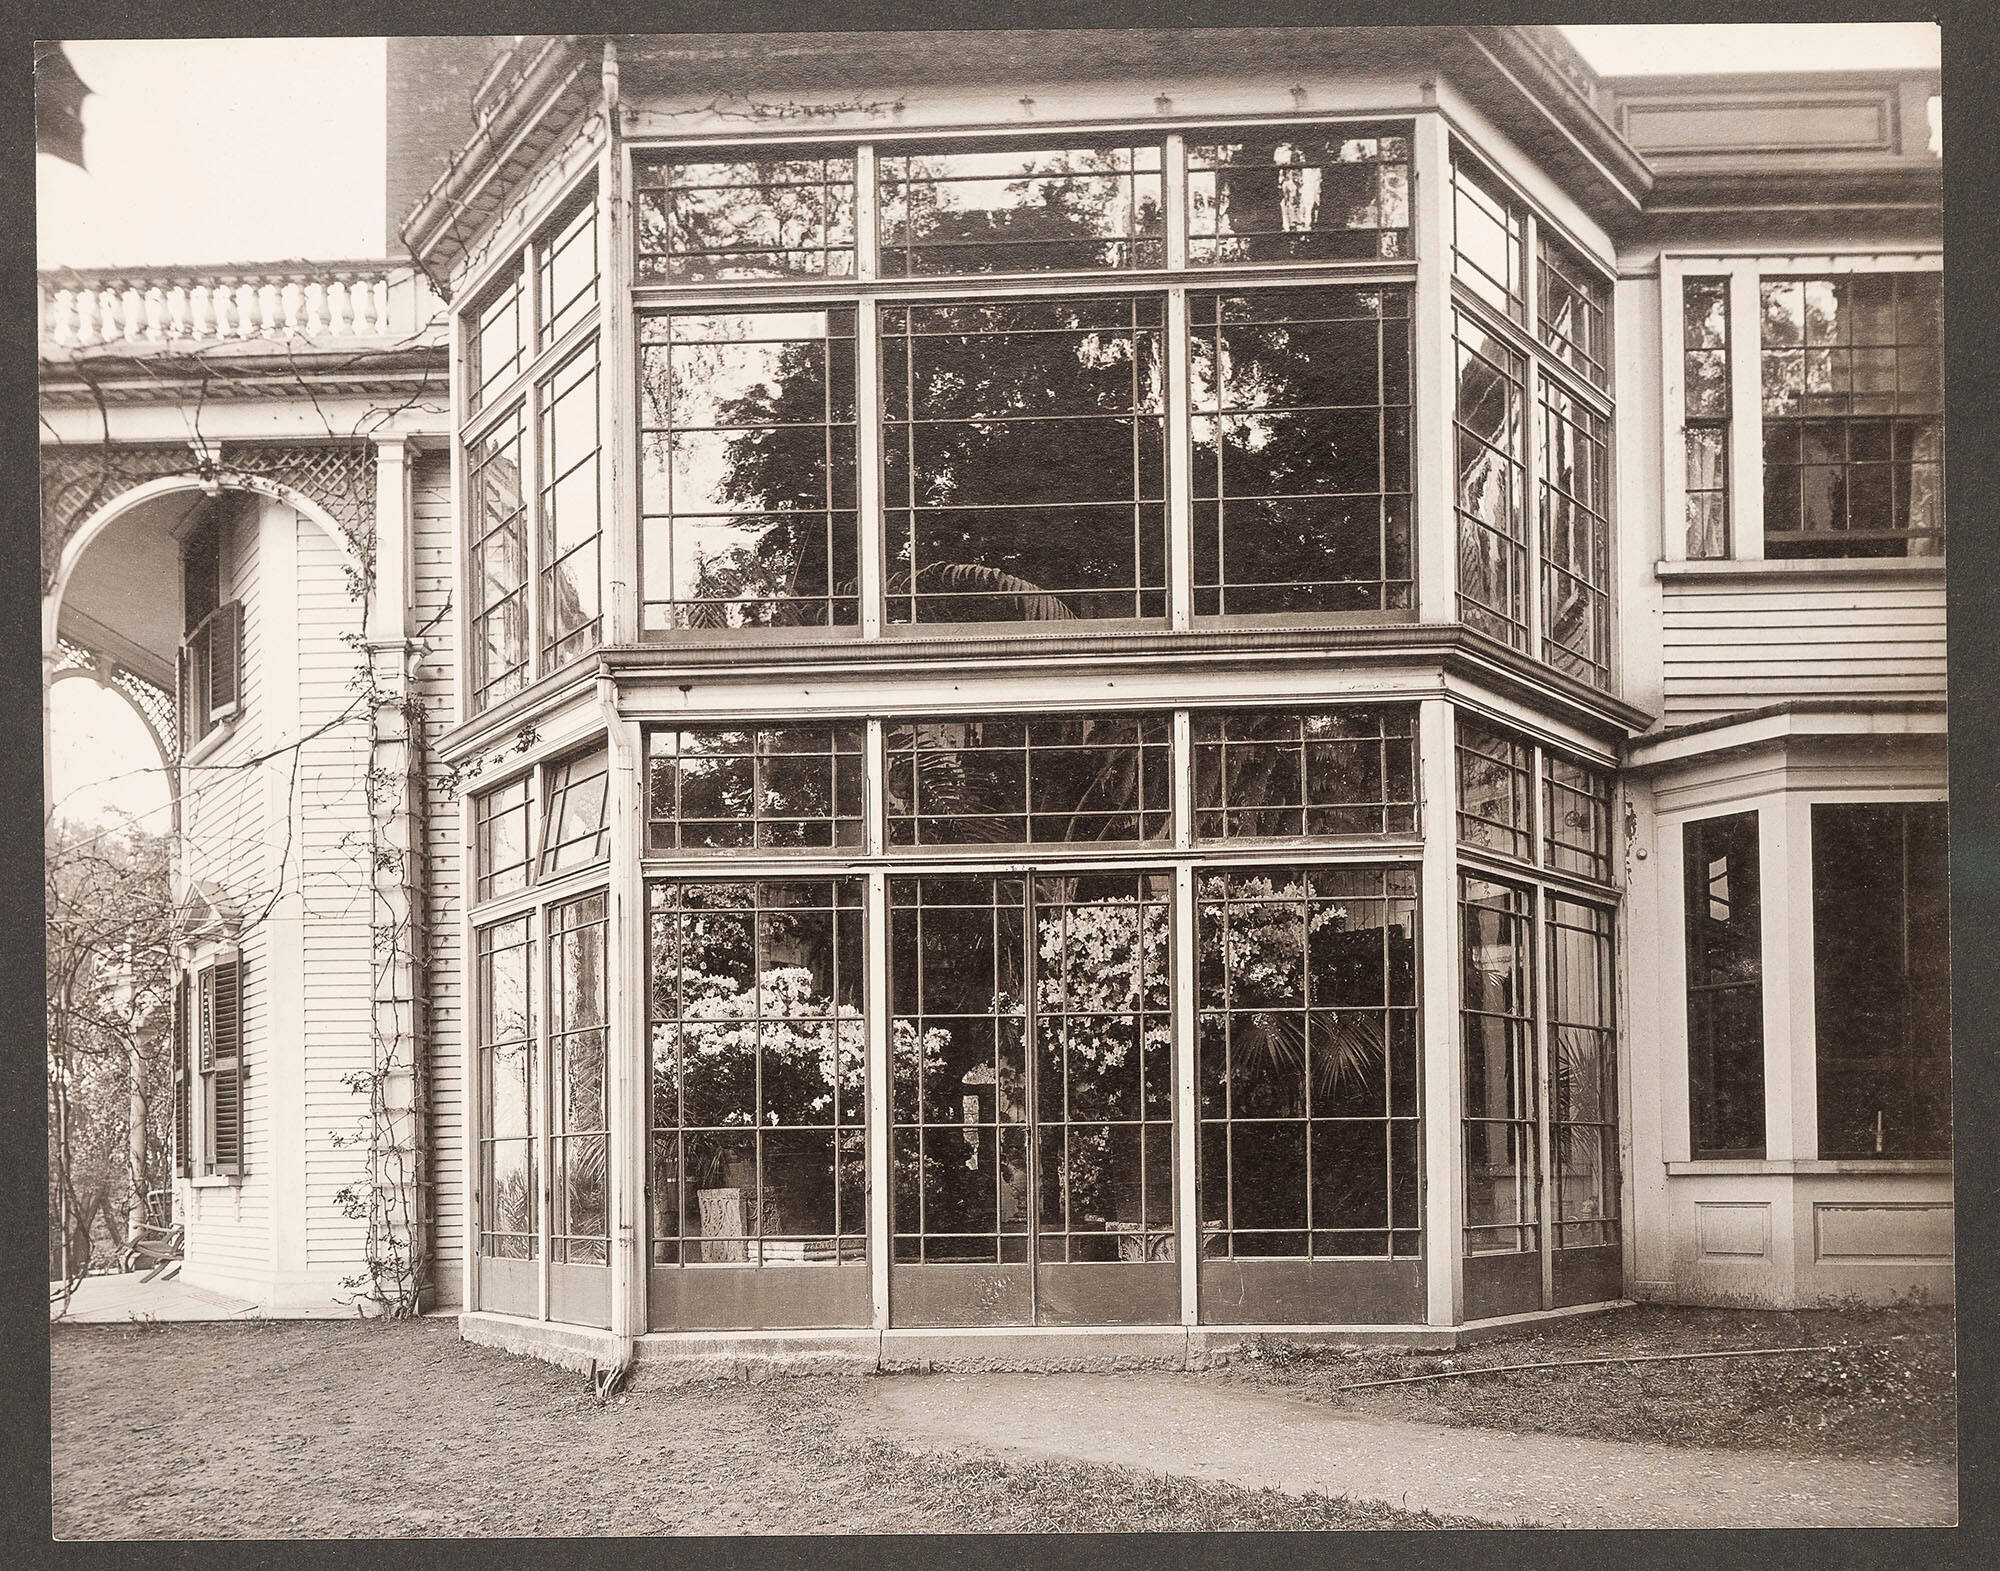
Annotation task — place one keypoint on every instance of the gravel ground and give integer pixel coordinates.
(275, 1429)
(1884, 1387)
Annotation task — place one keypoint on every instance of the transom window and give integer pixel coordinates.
(1290, 773)
(1105, 778)
(1300, 194)
(1497, 772)
(779, 787)
(1021, 210)
(776, 214)
(542, 825)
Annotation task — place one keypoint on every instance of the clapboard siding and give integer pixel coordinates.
(224, 846)
(337, 900)
(1735, 643)
(433, 545)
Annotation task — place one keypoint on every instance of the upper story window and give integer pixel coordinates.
(210, 668)
(1300, 194)
(1812, 406)
(1853, 407)
(778, 214)
(1575, 311)
(533, 460)
(1021, 210)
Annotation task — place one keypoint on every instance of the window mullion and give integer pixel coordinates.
(1180, 466)
(1746, 423)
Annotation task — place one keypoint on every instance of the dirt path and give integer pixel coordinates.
(1212, 1430)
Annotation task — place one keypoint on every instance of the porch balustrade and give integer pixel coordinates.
(314, 302)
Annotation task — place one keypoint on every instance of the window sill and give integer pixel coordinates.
(218, 1181)
(1821, 567)
(211, 744)
(1802, 1167)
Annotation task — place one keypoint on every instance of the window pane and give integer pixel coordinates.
(1584, 1135)
(1036, 781)
(496, 338)
(1487, 230)
(1307, 1012)
(1725, 968)
(567, 259)
(1303, 194)
(501, 852)
(1015, 210)
(1575, 310)
(747, 479)
(1576, 818)
(1489, 422)
(574, 831)
(769, 214)
(1024, 460)
(1497, 1021)
(1264, 773)
(757, 1039)
(768, 788)
(579, 1146)
(506, 1060)
(1881, 970)
(1495, 790)
(571, 509)
(1301, 436)
(1853, 442)
(499, 561)
(1576, 537)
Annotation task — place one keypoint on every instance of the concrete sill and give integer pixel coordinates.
(1798, 1167)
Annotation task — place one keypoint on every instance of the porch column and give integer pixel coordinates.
(399, 1231)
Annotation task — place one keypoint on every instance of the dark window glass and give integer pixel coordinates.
(1575, 310)
(1490, 422)
(1705, 402)
(1307, 1062)
(499, 565)
(1301, 194)
(959, 982)
(1024, 474)
(572, 509)
(579, 1127)
(497, 337)
(1576, 537)
(1576, 818)
(502, 854)
(1300, 403)
(574, 832)
(1264, 773)
(507, 1068)
(1497, 1018)
(759, 1050)
(1853, 415)
(1488, 231)
(1725, 971)
(748, 484)
(1583, 1130)
(769, 214)
(1020, 210)
(1104, 778)
(1496, 791)
(1882, 979)
(768, 788)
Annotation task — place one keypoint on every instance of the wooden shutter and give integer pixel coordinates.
(226, 1138)
(184, 700)
(182, 1027)
(225, 657)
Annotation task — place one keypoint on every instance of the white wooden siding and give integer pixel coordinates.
(1736, 643)
(224, 846)
(433, 533)
(334, 885)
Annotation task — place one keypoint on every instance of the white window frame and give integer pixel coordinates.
(1745, 489)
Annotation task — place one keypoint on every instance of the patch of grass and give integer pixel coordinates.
(1884, 1387)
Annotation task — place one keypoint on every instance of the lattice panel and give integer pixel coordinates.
(340, 478)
